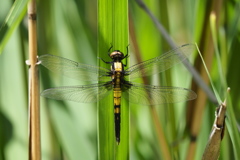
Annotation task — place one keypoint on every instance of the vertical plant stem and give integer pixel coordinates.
(161, 136)
(112, 30)
(195, 114)
(34, 111)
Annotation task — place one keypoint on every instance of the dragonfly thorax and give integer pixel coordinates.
(117, 55)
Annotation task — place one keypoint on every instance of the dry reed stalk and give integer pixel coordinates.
(195, 114)
(34, 111)
(212, 150)
(162, 140)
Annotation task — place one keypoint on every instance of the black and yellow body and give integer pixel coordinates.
(117, 75)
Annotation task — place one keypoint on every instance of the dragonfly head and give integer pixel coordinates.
(117, 55)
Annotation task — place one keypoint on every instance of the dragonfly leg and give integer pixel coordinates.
(105, 61)
(126, 56)
(110, 49)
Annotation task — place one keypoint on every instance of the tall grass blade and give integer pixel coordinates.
(112, 31)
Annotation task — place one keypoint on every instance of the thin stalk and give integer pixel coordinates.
(34, 111)
(162, 140)
(167, 77)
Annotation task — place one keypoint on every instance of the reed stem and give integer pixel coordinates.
(34, 111)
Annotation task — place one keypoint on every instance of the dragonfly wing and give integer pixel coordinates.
(161, 63)
(73, 69)
(154, 95)
(83, 94)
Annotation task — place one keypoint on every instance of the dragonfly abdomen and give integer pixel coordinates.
(117, 93)
(117, 104)
(117, 118)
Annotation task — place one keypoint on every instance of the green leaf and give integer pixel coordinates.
(112, 30)
(12, 21)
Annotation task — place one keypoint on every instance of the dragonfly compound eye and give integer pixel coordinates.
(117, 55)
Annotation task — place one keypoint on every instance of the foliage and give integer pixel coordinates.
(69, 29)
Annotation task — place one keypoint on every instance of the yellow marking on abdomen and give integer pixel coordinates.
(117, 110)
(117, 93)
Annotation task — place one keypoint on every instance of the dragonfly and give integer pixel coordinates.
(114, 80)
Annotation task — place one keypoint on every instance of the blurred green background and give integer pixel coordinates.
(69, 29)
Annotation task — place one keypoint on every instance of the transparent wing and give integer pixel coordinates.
(83, 94)
(153, 95)
(73, 69)
(160, 63)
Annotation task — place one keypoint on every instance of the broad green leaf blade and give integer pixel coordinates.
(112, 30)
(106, 138)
